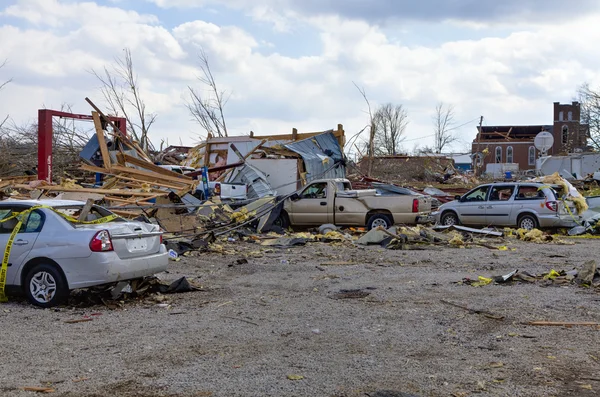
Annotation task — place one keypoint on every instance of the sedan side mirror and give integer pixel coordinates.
(457, 197)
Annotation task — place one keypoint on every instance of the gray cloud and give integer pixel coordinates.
(508, 11)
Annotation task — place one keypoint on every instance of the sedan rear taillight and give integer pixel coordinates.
(101, 242)
(552, 205)
(415, 207)
(161, 238)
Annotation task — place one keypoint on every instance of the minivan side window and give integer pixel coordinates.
(477, 194)
(529, 193)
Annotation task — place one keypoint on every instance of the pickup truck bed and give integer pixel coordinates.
(333, 201)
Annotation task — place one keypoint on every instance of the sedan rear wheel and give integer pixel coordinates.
(45, 286)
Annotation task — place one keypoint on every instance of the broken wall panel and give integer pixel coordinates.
(282, 174)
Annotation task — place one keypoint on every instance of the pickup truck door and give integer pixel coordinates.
(499, 205)
(472, 208)
(313, 206)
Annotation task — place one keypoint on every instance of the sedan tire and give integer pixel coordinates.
(45, 286)
(527, 222)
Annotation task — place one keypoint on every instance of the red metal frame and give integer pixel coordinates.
(45, 137)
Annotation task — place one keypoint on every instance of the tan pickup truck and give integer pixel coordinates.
(333, 201)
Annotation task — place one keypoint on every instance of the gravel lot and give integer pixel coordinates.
(255, 324)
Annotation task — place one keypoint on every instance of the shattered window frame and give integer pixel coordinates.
(498, 154)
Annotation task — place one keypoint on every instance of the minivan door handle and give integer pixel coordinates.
(490, 207)
(481, 207)
(323, 202)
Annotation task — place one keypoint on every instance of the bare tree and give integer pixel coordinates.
(371, 126)
(18, 146)
(206, 105)
(121, 91)
(390, 123)
(590, 111)
(2, 85)
(443, 120)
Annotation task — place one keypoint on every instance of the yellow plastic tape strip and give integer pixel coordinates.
(6, 257)
(20, 216)
(571, 213)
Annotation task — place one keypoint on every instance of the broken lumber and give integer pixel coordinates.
(485, 313)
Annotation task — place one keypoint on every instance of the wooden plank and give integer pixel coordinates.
(118, 132)
(150, 182)
(152, 167)
(206, 161)
(101, 141)
(91, 168)
(86, 209)
(91, 190)
(155, 176)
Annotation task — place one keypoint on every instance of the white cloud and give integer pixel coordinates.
(509, 79)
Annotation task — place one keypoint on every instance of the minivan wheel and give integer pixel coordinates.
(527, 222)
(449, 218)
(45, 286)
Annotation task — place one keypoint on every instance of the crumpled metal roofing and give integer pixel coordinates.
(255, 180)
(320, 153)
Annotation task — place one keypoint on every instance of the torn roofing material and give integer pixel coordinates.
(255, 180)
(320, 153)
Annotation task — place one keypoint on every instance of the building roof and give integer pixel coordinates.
(511, 132)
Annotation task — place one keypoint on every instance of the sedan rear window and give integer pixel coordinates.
(95, 213)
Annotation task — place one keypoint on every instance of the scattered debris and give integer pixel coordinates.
(474, 311)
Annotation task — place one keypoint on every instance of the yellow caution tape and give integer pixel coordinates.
(20, 216)
(482, 281)
(552, 275)
(571, 213)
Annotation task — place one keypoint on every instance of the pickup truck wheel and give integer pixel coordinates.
(527, 222)
(449, 218)
(45, 286)
(282, 221)
(379, 220)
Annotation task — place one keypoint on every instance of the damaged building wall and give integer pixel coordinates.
(406, 168)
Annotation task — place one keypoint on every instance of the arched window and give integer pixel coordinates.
(565, 135)
(531, 155)
(498, 154)
(509, 154)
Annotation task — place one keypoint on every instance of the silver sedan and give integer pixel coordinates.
(525, 205)
(52, 255)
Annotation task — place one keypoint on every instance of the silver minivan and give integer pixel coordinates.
(525, 205)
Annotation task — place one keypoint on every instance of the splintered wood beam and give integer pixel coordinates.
(148, 174)
(101, 140)
(152, 167)
(151, 182)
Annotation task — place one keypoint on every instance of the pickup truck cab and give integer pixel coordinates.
(333, 201)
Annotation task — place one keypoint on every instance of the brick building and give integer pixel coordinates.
(514, 144)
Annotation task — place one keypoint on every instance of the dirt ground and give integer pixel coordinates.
(255, 325)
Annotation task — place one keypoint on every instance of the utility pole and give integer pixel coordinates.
(478, 161)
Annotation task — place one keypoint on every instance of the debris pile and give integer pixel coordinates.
(587, 276)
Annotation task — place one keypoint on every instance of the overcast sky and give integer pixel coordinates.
(291, 63)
